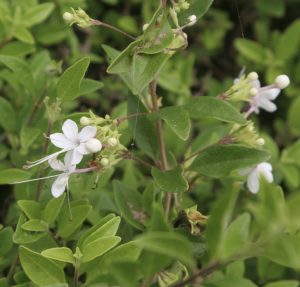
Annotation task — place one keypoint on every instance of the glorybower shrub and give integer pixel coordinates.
(143, 179)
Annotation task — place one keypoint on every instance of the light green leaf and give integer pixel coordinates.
(67, 225)
(31, 208)
(89, 86)
(289, 44)
(171, 180)
(251, 50)
(284, 249)
(209, 107)
(53, 208)
(21, 71)
(39, 269)
(17, 49)
(221, 160)
(283, 283)
(28, 136)
(68, 86)
(12, 175)
(178, 120)
(7, 115)
(110, 228)
(24, 35)
(127, 274)
(37, 14)
(63, 254)
(235, 236)
(35, 225)
(169, 244)
(98, 247)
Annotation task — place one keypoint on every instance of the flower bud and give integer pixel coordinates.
(260, 142)
(192, 20)
(68, 17)
(104, 162)
(93, 145)
(253, 92)
(282, 81)
(185, 6)
(252, 76)
(84, 121)
(145, 26)
(112, 142)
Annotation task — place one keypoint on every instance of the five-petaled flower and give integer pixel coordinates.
(75, 143)
(263, 169)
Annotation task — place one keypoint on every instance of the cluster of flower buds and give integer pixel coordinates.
(99, 136)
(248, 88)
(196, 219)
(179, 5)
(78, 17)
(246, 134)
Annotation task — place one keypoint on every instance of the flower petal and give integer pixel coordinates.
(271, 94)
(87, 133)
(60, 140)
(68, 162)
(266, 105)
(255, 84)
(56, 164)
(59, 185)
(70, 130)
(46, 158)
(253, 182)
(76, 157)
(82, 149)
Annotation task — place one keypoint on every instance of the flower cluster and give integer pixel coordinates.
(99, 136)
(179, 5)
(79, 17)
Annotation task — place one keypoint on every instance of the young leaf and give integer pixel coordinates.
(31, 208)
(110, 228)
(63, 254)
(39, 269)
(53, 208)
(35, 225)
(220, 160)
(171, 180)
(7, 115)
(24, 35)
(98, 247)
(68, 86)
(251, 50)
(235, 236)
(37, 14)
(208, 107)
(21, 71)
(178, 120)
(167, 243)
(89, 86)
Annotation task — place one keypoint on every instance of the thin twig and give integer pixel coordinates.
(122, 119)
(160, 133)
(100, 23)
(12, 270)
(129, 155)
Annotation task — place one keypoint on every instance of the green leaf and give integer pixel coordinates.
(24, 35)
(12, 175)
(127, 274)
(142, 129)
(7, 115)
(68, 86)
(197, 8)
(6, 243)
(284, 249)
(89, 86)
(39, 269)
(289, 44)
(67, 225)
(208, 107)
(37, 14)
(221, 160)
(178, 120)
(21, 70)
(63, 254)
(171, 180)
(283, 283)
(28, 136)
(251, 50)
(110, 228)
(98, 247)
(219, 220)
(31, 208)
(235, 236)
(167, 243)
(35, 225)
(17, 49)
(53, 208)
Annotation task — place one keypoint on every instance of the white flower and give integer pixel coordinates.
(192, 20)
(61, 183)
(263, 169)
(282, 81)
(264, 97)
(68, 16)
(75, 143)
